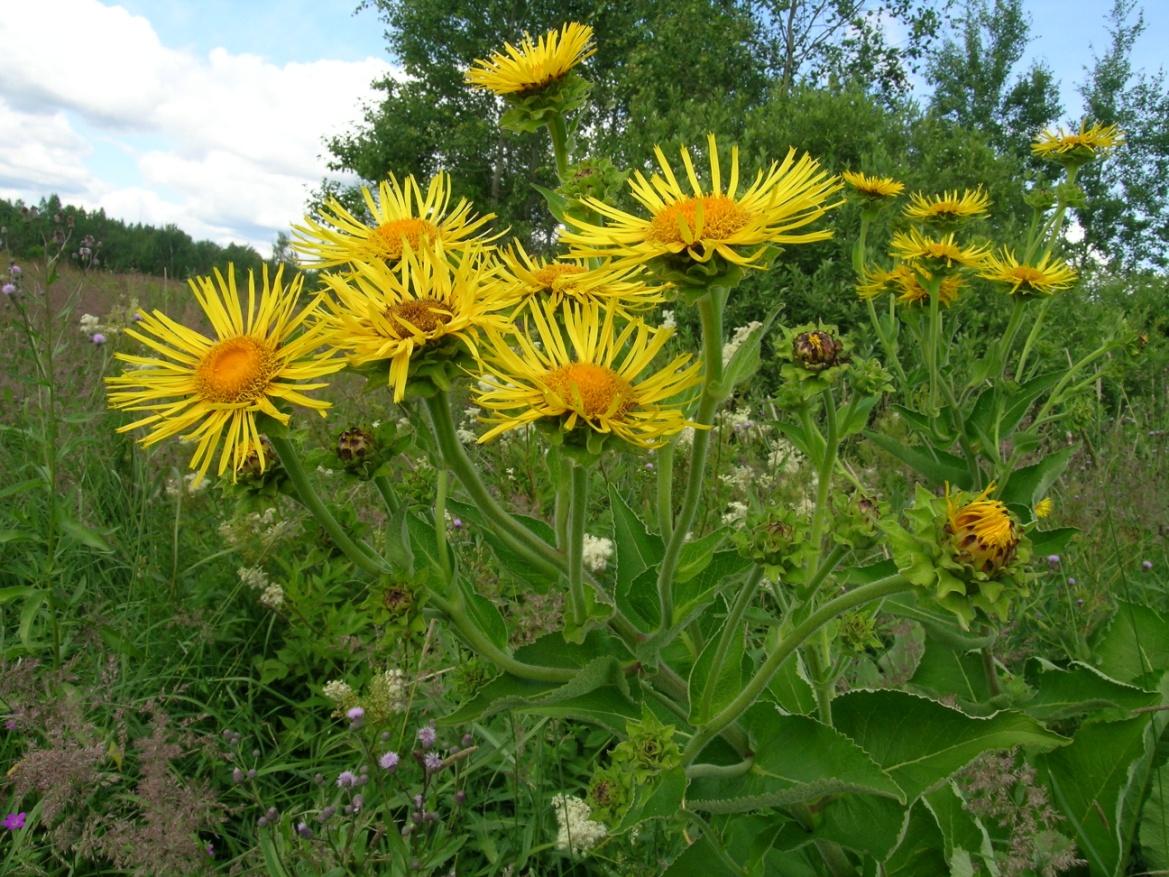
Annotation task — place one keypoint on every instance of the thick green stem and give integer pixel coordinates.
(563, 481)
(710, 310)
(877, 590)
(578, 505)
(516, 535)
(824, 473)
(1009, 336)
(361, 555)
(695, 771)
(559, 134)
(665, 496)
(1031, 336)
(440, 496)
(387, 493)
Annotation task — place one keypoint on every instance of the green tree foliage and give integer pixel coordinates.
(168, 251)
(1127, 217)
(974, 79)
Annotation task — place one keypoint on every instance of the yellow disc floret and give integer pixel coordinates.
(236, 370)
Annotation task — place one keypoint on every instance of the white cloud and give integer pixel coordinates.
(235, 141)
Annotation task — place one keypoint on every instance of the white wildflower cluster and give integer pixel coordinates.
(784, 459)
(337, 691)
(576, 833)
(595, 552)
(273, 597)
(243, 533)
(736, 512)
(191, 482)
(740, 335)
(387, 694)
(324, 471)
(739, 477)
(669, 321)
(466, 430)
(686, 437)
(90, 324)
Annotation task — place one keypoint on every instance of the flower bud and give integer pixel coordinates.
(816, 350)
(354, 445)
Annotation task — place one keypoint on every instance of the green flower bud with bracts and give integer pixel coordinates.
(610, 794)
(815, 356)
(857, 632)
(970, 554)
(776, 538)
(856, 518)
(649, 750)
(396, 608)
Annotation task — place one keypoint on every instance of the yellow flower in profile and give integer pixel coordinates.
(948, 208)
(210, 390)
(560, 280)
(935, 252)
(1044, 508)
(905, 281)
(1047, 276)
(394, 317)
(1077, 148)
(983, 533)
(402, 218)
(708, 222)
(533, 65)
(588, 373)
(876, 188)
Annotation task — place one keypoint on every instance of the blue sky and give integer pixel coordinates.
(211, 114)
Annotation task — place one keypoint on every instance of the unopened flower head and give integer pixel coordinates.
(873, 188)
(983, 532)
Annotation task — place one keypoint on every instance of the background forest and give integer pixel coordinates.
(195, 680)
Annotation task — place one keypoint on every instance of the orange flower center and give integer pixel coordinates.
(236, 370)
(679, 223)
(592, 391)
(1027, 275)
(389, 236)
(547, 277)
(421, 315)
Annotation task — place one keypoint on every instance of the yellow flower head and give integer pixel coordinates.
(586, 373)
(1077, 148)
(1047, 276)
(983, 533)
(875, 188)
(391, 316)
(211, 389)
(934, 253)
(1044, 508)
(739, 227)
(559, 280)
(905, 282)
(948, 208)
(533, 65)
(402, 218)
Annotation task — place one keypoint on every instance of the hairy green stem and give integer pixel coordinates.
(558, 131)
(578, 506)
(665, 494)
(695, 771)
(362, 555)
(877, 590)
(382, 483)
(743, 599)
(710, 311)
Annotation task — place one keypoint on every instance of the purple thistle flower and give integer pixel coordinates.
(1146, 565)
(457, 523)
(13, 821)
(15, 271)
(98, 338)
(9, 289)
(211, 850)
(356, 713)
(426, 736)
(304, 831)
(1052, 559)
(346, 780)
(433, 762)
(389, 761)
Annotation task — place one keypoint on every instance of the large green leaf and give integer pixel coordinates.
(921, 851)
(1065, 694)
(868, 824)
(705, 858)
(946, 671)
(961, 830)
(1155, 823)
(1089, 782)
(598, 693)
(1134, 646)
(637, 548)
(920, 743)
(1028, 485)
(938, 466)
(713, 689)
(797, 759)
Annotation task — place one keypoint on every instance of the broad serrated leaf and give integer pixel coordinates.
(1028, 485)
(920, 852)
(713, 689)
(1062, 694)
(485, 615)
(1089, 780)
(946, 671)
(939, 467)
(920, 743)
(797, 759)
(637, 548)
(702, 857)
(638, 599)
(961, 830)
(1134, 645)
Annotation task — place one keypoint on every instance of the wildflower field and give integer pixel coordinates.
(437, 552)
